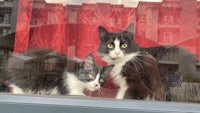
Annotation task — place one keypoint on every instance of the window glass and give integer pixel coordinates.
(123, 50)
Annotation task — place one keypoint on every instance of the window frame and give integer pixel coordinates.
(12, 103)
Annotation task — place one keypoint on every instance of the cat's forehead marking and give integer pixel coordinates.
(98, 76)
(117, 42)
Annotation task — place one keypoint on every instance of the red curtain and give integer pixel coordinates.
(23, 25)
(72, 30)
(49, 27)
(172, 22)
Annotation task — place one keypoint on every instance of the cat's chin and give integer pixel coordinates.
(108, 58)
(93, 89)
(120, 59)
(116, 58)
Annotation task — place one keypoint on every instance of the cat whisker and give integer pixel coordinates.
(135, 67)
(145, 62)
(100, 92)
(136, 61)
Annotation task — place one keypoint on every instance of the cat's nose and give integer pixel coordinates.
(96, 84)
(117, 53)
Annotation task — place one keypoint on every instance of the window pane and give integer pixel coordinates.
(135, 50)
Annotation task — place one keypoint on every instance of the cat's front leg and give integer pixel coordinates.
(122, 88)
(119, 80)
(121, 93)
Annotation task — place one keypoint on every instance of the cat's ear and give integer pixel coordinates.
(89, 59)
(128, 33)
(130, 28)
(102, 32)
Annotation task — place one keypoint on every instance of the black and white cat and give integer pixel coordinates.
(47, 72)
(135, 72)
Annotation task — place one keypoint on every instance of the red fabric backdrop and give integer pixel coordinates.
(72, 29)
(170, 22)
(23, 25)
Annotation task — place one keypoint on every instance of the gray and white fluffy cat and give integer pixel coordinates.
(47, 72)
(135, 72)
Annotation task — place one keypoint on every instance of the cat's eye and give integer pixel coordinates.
(101, 80)
(110, 46)
(124, 45)
(91, 76)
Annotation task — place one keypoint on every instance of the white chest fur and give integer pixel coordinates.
(119, 63)
(117, 77)
(75, 86)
